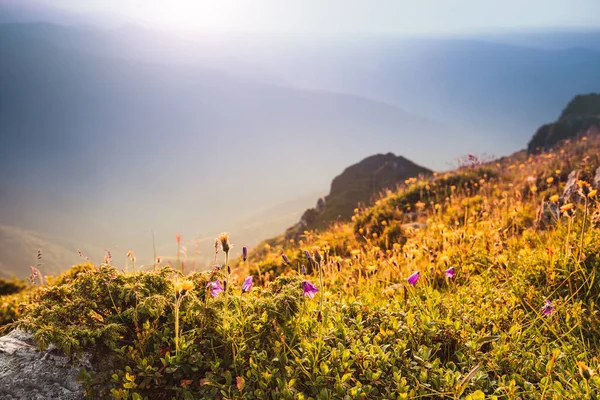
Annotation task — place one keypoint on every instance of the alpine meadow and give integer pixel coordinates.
(243, 199)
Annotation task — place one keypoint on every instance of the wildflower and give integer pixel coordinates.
(35, 275)
(214, 288)
(107, 257)
(548, 308)
(307, 254)
(554, 198)
(449, 273)
(550, 180)
(178, 238)
(247, 285)
(225, 244)
(244, 253)
(582, 184)
(585, 371)
(592, 193)
(286, 260)
(566, 208)
(413, 278)
(183, 286)
(308, 289)
(303, 269)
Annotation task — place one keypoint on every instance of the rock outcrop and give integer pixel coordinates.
(356, 185)
(570, 187)
(580, 117)
(29, 374)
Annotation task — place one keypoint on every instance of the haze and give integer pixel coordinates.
(347, 16)
(123, 118)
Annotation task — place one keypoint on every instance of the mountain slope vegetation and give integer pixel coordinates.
(480, 282)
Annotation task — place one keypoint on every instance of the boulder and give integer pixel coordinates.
(571, 187)
(29, 374)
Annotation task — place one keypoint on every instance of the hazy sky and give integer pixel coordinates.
(343, 16)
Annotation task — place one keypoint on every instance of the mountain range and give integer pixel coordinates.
(109, 135)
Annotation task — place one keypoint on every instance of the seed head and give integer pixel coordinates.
(224, 239)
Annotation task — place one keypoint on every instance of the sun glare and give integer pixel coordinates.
(194, 14)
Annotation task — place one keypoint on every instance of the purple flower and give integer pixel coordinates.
(247, 285)
(285, 259)
(308, 289)
(303, 269)
(307, 254)
(245, 253)
(215, 288)
(449, 273)
(548, 308)
(413, 278)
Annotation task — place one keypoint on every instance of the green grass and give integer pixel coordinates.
(481, 334)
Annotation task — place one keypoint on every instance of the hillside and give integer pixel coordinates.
(581, 115)
(356, 185)
(19, 247)
(489, 291)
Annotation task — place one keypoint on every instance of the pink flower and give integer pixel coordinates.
(214, 288)
(413, 278)
(449, 273)
(548, 308)
(308, 289)
(247, 285)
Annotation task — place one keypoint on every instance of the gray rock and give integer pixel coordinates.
(571, 186)
(26, 373)
(548, 213)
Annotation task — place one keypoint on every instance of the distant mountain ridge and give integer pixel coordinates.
(357, 184)
(116, 148)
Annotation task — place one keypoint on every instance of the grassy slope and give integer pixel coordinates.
(368, 333)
